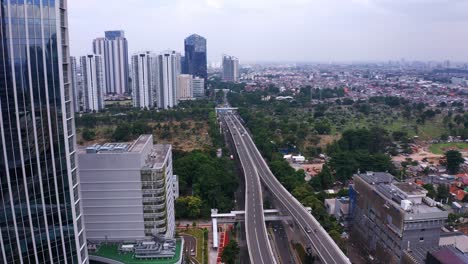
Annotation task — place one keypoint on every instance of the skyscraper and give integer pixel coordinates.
(40, 208)
(144, 79)
(230, 68)
(168, 71)
(195, 56)
(93, 82)
(114, 50)
(74, 85)
(184, 87)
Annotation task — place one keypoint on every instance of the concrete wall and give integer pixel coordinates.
(112, 196)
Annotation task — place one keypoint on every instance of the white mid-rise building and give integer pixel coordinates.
(128, 190)
(93, 82)
(184, 87)
(144, 79)
(198, 87)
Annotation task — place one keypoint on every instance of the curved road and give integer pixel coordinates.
(323, 244)
(258, 244)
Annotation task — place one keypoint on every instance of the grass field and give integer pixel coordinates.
(183, 135)
(202, 244)
(443, 147)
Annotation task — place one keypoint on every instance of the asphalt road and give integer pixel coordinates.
(323, 244)
(190, 247)
(282, 243)
(258, 244)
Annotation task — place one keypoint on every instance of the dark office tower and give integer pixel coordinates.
(40, 206)
(114, 34)
(114, 50)
(194, 62)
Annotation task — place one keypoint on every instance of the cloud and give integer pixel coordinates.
(217, 4)
(305, 30)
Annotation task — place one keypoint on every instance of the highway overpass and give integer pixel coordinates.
(255, 168)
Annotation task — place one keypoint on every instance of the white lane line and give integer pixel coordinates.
(278, 193)
(258, 245)
(246, 202)
(260, 201)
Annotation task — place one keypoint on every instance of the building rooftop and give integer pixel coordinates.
(140, 143)
(418, 206)
(136, 146)
(111, 251)
(410, 188)
(376, 177)
(449, 255)
(458, 241)
(158, 156)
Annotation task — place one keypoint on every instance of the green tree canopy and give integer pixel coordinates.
(230, 252)
(454, 160)
(431, 190)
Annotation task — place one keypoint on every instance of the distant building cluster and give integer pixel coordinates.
(429, 83)
(152, 80)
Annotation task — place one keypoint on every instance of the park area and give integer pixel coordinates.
(441, 148)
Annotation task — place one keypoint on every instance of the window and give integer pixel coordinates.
(421, 239)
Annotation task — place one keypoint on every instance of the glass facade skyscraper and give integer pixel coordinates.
(195, 56)
(40, 210)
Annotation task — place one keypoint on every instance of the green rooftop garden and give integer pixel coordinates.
(111, 251)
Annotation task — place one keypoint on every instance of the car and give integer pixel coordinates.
(308, 231)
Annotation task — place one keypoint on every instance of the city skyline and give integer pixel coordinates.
(302, 30)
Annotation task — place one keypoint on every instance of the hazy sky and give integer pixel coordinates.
(282, 30)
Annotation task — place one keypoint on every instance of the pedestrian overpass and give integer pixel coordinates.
(238, 216)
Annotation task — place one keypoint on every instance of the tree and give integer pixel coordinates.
(343, 193)
(326, 177)
(454, 159)
(431, 192)
(122, 133)
(188, 207)
(88, 134)
(323, 127)
(443, 192)
(230, 252)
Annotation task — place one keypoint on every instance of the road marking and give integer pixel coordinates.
(256, 175)
(277, 192)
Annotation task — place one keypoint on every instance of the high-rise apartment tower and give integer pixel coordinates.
(93, 82)
(114, 50)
